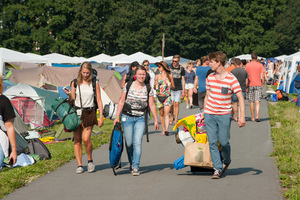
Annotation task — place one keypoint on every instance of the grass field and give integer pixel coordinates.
(62, 153)
(285, 123)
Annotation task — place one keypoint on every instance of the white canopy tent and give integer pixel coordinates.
(100, 58)
(138, 56)
(247, 57)
(7, 55)
(281, 58)
(59, 58)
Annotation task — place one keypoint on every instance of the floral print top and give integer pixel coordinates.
(137, 99)
(164, 86)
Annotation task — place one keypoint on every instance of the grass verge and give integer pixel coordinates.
(62, 153)
(285, 129)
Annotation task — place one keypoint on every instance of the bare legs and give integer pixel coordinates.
(164, 118)
(83, 135)
(257, 108)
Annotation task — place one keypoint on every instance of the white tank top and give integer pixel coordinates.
(87, 96)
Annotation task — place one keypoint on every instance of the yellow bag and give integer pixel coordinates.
(201, 138)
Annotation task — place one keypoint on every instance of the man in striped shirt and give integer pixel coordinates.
(220, 85)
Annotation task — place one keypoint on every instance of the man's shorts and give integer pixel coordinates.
(254, 93)
(235, 99)
(176, 95)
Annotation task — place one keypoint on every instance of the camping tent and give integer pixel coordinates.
(30, 76)
(32, 103)
(7, 55)
(247, 57)
(289, 71)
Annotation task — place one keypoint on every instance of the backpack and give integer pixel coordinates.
(36, 146)
(94, 82)
(116, 147)
(127, 107)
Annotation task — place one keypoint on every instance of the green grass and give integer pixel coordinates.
(285, 123)
(62, 153)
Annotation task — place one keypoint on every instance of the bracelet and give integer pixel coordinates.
(117, 117)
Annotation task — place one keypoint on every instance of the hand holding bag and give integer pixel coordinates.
(197, 155)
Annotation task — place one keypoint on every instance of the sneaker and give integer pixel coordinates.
(191, 106)
(216, 175)
(225, 166)
(187, 107)
(79, 170)
(135, 172)
(91, 167)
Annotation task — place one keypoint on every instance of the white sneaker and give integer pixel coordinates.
(135, 172)
(187, 107)
(79, 170)
(91, 167)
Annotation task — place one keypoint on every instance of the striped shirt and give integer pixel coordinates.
(219, 99)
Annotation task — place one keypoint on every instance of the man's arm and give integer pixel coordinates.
(241, 108)
(12, 139)
(196, 84)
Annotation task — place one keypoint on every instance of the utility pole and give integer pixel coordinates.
(163, 47)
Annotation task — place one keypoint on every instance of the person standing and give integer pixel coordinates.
(201, 74)
(256, 72)
(163, 84)
(177, 94)
(7, 115)
(220, 85)
(189, 84)
(130, 73)
(131, 110)
(242, 76)
(146, 64)
(82, 93)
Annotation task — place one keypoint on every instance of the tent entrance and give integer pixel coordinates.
(30, 111)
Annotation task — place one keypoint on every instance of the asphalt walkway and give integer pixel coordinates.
(251, 175)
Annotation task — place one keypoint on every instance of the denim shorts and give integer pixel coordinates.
(176, 95)
(235, 99)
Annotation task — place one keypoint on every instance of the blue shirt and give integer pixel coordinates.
(201, 73)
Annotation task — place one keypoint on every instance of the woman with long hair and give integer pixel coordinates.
(83, 95)
(163, 84)
(131, 109)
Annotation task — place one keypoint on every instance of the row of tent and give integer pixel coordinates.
(24, 88)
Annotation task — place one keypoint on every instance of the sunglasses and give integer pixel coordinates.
(146, 65)
(175, 61)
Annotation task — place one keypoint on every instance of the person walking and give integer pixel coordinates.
(189, 84)
(82, 93)
(163, 84)
(131, 109)
(242, 76)
(201, 74)
(177, 93)
(146, 64)
(130, 73)
(256, 74)
(220, 85)
(7, 115)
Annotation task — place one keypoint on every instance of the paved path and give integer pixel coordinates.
(251, 175)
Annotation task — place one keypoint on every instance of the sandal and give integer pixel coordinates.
(166, 133)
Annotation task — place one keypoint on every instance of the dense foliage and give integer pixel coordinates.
(192, 28)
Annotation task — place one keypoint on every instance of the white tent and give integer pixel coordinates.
(59, 58)
(138, 56)
(165, 58)
(100, 58)
(289, 69)
(247, 57)
(7, 55)
(281, 57)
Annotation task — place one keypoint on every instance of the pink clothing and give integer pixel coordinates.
(255, 71)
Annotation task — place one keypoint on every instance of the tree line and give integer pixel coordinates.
(192, 28)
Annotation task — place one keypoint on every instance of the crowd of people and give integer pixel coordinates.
(219, 87)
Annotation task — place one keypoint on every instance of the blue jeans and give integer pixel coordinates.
(134, 128)
(1, 157)
(218, 129)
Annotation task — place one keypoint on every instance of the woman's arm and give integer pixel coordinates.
(100, 105)
(153, 110)
(172, 82)
(12, 139)
(120, 107)
(123, 81)
(73, 93)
